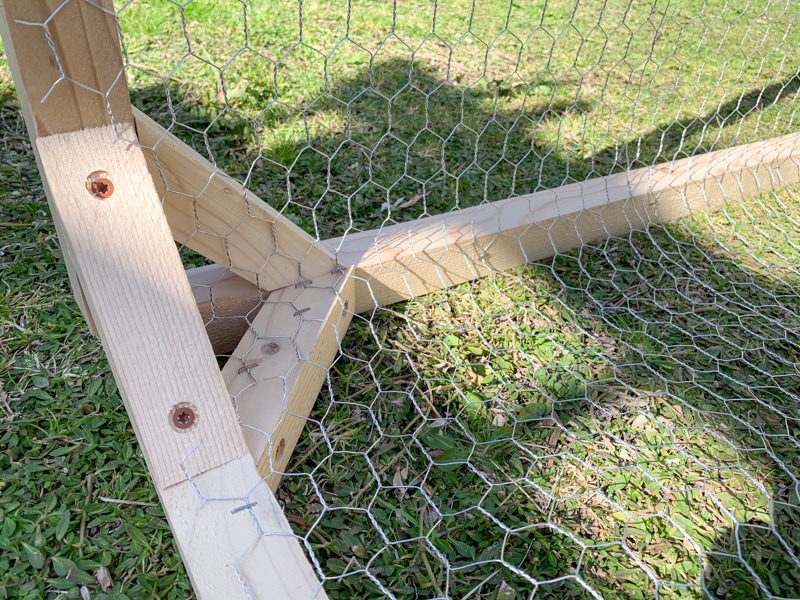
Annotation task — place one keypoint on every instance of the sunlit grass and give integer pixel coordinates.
(621, 418)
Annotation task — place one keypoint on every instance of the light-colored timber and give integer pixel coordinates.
(161, 357)
(65, 91)
(229, 517)
(215, 216)
(74, 84)
(276, 372)
(412, 259)
(136, 290)
(226, 302)
(408, 260)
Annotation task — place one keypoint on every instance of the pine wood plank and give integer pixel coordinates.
(226, 302)
(276, 372)
(215, 216)
(161, 357)
(404, 261)
(72, 84)
(238, 552)
(58, 92)
(412, 259)
(130, 275)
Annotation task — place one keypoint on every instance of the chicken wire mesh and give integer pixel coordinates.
(619, 420)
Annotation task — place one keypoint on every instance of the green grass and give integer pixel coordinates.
(340, 132)
(622, 418)
(638, 398)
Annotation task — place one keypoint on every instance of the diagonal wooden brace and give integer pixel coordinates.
(214, 215)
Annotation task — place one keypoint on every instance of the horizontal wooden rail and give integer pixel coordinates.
(412, 259)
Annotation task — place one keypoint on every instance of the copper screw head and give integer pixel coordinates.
(270, 348)
(182, 417)
(100, 185)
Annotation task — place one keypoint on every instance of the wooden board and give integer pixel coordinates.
(276, 372)
(240, 541)
(58, 92)
(136, 290)
(161, 357)
(413, 259)
(226, 302)
(404, 261)
(77, 81)
(215, 216)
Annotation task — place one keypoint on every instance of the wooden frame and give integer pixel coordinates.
(232, 534)
(277, 298)
(278, 367)
(408, 260)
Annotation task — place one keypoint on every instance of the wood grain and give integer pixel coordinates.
(408, 260)
(215, 216)
(276, 372)
(143, 308)
(79, 82)
(235, 552)
(226, 302)
(126, 269)
(58, 89)
(155, 342)
(412, 259)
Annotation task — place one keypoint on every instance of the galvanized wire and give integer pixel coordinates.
(617, 421)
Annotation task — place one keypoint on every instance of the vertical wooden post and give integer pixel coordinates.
(231, 532)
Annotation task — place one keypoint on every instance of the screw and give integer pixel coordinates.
(182, 417)
(99, 185)
(270, 348)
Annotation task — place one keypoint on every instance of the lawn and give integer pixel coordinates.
(619, 421)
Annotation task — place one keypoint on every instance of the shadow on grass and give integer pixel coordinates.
(391, 144)
(399, 141)
(621, 419)
(696, 134)
(580, 416)
(716, 341)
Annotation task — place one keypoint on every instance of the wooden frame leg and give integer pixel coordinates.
(231, 532)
